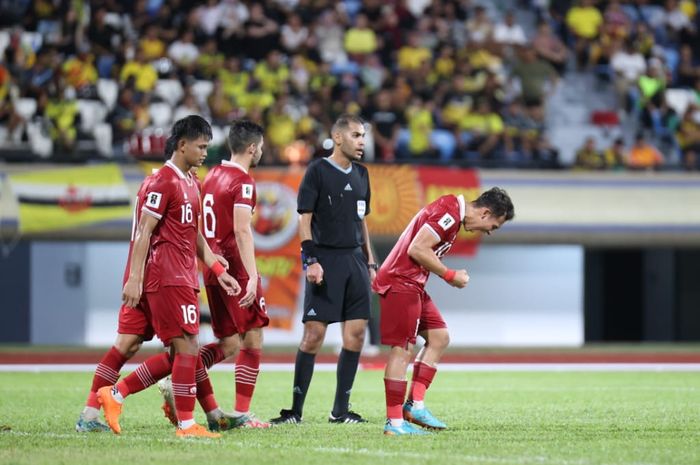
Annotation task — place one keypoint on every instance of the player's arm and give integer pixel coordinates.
(314, 271)
(131, 294)
(242, 219)
(369, 253)
(421, 251)
(210, 259)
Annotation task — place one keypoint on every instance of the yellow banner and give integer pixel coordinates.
(59, 199)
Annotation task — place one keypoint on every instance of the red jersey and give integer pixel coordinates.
(226, 187)
(138, 205)
(173, 198)
(443, 218)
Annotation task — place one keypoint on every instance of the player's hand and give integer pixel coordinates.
(229, 284)
(460, 280)
(314, 274)
(131, 294)
(251, 290)
(221, 260)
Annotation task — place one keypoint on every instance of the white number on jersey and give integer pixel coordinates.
(186, 213)
(209, 216)
(189, 314)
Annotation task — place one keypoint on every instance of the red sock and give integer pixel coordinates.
(395, 393)
(423, 375)
(147, 374)
(205, 392)
(211, 354)
(247, 369)
(106, 374)
(184, 387)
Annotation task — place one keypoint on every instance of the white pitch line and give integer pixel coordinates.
(469, 367)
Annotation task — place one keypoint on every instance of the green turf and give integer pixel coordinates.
(494, 418)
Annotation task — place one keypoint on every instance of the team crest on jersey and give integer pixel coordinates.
(446, 221)
(247, 191)
(153, 199)
(361, 209)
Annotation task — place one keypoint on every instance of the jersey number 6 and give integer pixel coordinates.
(209, 217)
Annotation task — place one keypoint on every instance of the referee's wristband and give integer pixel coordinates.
(373, 266)
(449, 275)
(217, 268)
(308, 248)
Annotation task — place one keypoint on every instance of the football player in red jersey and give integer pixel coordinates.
(408, 311)
(163, 266)
(229, 198)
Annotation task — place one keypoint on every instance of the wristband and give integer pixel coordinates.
(308, 248)
(449, 275)
(373, 266)
(218, 269)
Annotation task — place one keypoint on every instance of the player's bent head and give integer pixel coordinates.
(189, 128)
(243, 134)
(344, 121)
(497, 201)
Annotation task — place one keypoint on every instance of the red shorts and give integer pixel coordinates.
(228, 318)
(136, 320)
(405, 314)
(174, 311)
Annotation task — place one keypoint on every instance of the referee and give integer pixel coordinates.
(333, 203)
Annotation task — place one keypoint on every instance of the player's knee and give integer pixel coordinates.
(312, 340)
(229, 346)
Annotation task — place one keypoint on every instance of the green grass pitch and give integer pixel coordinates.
(494, 418)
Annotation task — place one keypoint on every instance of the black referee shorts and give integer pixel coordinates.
(345, 291)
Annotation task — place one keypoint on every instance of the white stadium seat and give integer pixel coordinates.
(161, 114)
(108, 91)
(170, 90)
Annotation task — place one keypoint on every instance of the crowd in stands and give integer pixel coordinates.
(444, 81)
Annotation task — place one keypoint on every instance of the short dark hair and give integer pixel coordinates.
(190, 128)
(344, 120)
(242, 133)
(498, 202)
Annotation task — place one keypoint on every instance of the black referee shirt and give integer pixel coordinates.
(339, 201)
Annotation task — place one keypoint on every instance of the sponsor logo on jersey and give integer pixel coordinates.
(348, 187)
(311, 312)
(153, 199)
(446, 221)
(247, 191)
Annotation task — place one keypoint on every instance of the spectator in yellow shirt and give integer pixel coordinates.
(584, 21)
(360, 39)
(141, 72)
(412, 55)
(151, 44)
(483, 129)
(81, 74)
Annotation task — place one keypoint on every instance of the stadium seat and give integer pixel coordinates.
(169, 90)
(92, 112)
(40, 143)
(201, 90)
(108, 91)
(103, 139)
(679, 99)
(605, 118)
(161, 114)
(25, 107)
(218, 135)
